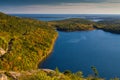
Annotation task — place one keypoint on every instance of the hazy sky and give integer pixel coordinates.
(61, 6)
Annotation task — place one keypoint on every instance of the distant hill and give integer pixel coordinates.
(109, 25)
(77, 24)
(73, 24)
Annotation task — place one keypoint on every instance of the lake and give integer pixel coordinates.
(81, 50)
(78, 51)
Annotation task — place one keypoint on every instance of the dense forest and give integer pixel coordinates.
(77, 24)
(73, 24)
(112, 25)
(24, 42)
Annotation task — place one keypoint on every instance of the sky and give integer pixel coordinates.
(60, 6)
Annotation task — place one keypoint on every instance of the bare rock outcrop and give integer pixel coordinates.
(2, 52)
(3, 77)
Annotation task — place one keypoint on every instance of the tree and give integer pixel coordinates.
(67, 72)
(94, 69)
(79, 74)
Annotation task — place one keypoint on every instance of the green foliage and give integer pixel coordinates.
(73, 24)
(94, 69)
(115, 78)
(57, 70)
(41, 75)
(109, 25)
(67, 72)
(33, 41)
(77, 24)
(79, 74)
(37, 76)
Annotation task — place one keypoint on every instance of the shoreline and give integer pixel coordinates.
(52, 47)
(49, 52)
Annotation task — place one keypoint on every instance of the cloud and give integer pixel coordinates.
(47, 2)
(66, 8)
(50, 2)
(113, 1)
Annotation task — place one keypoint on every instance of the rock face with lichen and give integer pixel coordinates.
(40, 74)
(3, 77)
(2, 52)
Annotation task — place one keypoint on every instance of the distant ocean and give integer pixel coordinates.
(49, 17)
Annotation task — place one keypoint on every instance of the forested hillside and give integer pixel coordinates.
(109, 25)
(24, 42)
(77, 24)
(73, 24)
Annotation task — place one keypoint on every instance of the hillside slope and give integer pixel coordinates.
(109, 25)
(24, 42)
(73, 24)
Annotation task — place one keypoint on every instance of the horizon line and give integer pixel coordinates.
(69, 13)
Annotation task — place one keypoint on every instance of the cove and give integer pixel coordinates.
(78, 51)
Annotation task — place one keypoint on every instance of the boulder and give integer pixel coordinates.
(3, 77)
(2, 52)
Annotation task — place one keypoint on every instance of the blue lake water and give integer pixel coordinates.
(78, 51)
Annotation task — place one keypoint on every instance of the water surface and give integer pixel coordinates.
(80, 50)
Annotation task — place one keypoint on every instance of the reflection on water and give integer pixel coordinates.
(77, 39)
